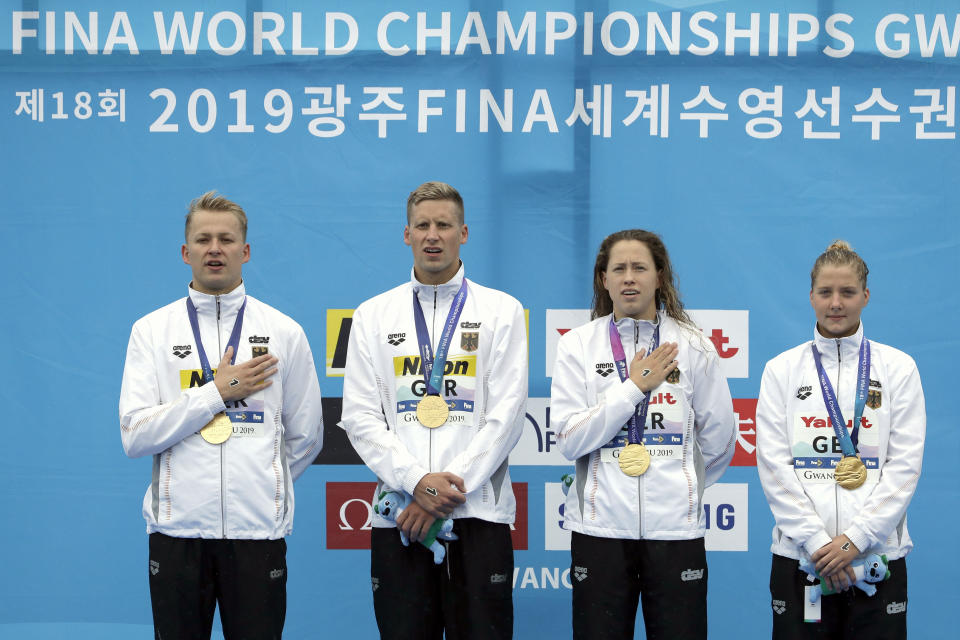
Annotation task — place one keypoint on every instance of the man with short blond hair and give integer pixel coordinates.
(434, 401)
(227, 443)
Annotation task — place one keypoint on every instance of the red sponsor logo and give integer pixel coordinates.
(350, 515)
(519, 529)
(720, 342)
(813, 422)
(745, 412)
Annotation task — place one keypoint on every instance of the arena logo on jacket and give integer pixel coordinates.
(246, 414)
(727, 329)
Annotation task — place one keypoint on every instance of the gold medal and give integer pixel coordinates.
(850, 472)
(218, 429)
(432, 412)
(634, 459)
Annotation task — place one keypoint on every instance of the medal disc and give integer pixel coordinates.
(634, 459)
(432, 412)
(218, 429)
(850, 472)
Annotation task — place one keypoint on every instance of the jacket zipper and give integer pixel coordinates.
(640, 521)
(223, 502)
(836, 488)
(433, 325)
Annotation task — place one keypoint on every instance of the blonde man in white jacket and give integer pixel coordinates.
(226, 447)
(647, 440)
(433, 401)
(840, 432)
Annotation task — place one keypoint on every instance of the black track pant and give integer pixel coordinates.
(849, 614)
(470, 595)
(189, 576)
(610, 575)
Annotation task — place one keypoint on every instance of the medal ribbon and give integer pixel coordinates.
(848, 441)
(433, 365)
(639, 418)
(234, 340)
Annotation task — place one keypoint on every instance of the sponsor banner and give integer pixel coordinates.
(555, 537)
(554, 578)
(725, 508)
(520, 529)
(538, 442)
(336, 446)
(338, 334)
(559, 321)
(727, 329)
(745, 412)
(349, 514)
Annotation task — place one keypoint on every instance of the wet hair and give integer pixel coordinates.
(667, 296)
(434, 191)
(210, 201)
(839, 254)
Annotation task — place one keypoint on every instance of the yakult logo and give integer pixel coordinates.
(816, 422)
(729, 331)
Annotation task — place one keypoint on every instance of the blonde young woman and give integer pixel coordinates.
(648, 437)
(840, 432)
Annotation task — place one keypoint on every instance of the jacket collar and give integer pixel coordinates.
(849, 346)
(207, 304)
(448, 288)
(642, 330)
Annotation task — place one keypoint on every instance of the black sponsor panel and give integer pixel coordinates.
(336, 447)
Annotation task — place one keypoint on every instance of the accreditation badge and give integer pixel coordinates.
(634, 460)
(217, 430)
(432, 411)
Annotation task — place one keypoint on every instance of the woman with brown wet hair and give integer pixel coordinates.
(647, 439)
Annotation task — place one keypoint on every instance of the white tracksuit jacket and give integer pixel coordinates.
(690, 432)
(487, 382)
(796, 445)
(243, 488)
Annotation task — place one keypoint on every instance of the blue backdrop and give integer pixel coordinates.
(748, 140)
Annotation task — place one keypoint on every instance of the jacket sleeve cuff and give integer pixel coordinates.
(211, 397)
(858, 537)
(816, 541)
(632, 392)
(413, 477)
